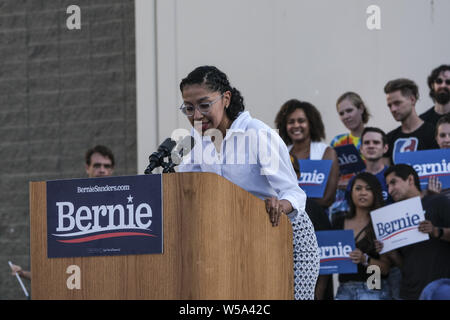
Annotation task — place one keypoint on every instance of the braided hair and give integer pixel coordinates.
(216, 80)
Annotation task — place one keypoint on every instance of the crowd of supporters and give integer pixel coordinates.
(349, 198)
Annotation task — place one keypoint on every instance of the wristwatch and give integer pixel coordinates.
(441, 233)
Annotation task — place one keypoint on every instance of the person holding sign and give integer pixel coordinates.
(216, 112)
(442, 136)
(429, 260)
(365, 196)
(443, 132)
(374, 145)
(354, 115)
(301, 128)
(432, 166)
(443, 140)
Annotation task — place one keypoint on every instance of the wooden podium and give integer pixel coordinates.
(218, 244)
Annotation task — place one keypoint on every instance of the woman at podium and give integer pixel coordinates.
(244, 150)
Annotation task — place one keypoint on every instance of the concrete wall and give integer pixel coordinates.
(61, 92)
(272, 51)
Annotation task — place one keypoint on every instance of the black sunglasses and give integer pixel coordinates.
(440, 80)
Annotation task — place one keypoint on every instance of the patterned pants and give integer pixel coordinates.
(306, 258)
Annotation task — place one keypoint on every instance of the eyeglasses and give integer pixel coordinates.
(99, 165)
(203, 107)
(440, 81)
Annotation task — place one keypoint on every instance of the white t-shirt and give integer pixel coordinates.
(316, 150)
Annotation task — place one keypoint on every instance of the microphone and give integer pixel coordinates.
(157, 157)
(182, 149)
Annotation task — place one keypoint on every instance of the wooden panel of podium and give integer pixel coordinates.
(218, 244)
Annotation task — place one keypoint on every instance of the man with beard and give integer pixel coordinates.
(439, 84)
(414, 134)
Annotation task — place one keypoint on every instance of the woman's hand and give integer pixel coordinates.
(358, 256)
(378, 245)
(275, 208)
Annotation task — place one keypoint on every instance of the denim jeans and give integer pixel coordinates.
(354, 290)
(394, 279)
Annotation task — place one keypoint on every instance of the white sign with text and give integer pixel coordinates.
(396, 225)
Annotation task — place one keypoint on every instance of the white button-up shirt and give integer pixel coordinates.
(252, 156)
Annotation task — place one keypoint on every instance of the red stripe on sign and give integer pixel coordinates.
(434, 175)
(394, 234)
(334, 259)
(107, 235)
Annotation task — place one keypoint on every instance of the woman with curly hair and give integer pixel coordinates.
(216, 109)
(301, 128)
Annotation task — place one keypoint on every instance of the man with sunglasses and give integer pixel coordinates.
(439, 84)
(99, 162)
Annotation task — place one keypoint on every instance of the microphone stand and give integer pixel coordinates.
(168, 167)
(156, 159)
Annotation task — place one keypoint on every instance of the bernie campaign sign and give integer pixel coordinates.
(334, 249)
(396, 225)
(349, 159)
(104, 216)
(314, 176)
(428, 163)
